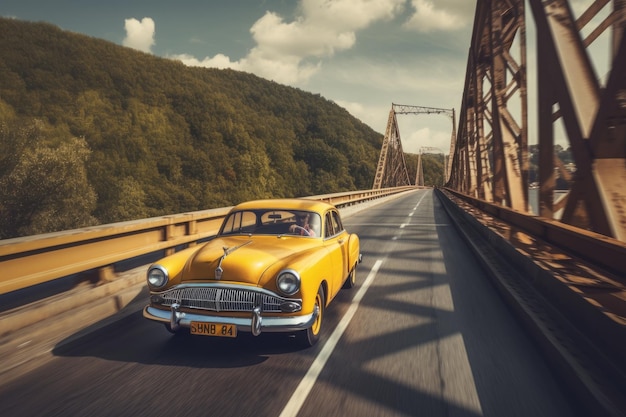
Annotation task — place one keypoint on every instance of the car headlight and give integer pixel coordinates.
(288, 282)
(157, 276)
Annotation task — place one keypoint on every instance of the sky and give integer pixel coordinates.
(362, 54)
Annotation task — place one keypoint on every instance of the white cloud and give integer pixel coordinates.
(418, 78)
(352, 107)
(374, 115)
(296, 51)
(139, 35)
(428, 138)
(291, 52)
(218, 61)
(446, 16)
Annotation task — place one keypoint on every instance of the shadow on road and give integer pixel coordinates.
(128, 337)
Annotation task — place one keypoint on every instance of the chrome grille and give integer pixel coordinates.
(223, 299)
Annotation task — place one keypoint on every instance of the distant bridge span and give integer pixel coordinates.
(392, 170)
(488, 157)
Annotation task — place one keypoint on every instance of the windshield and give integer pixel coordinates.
(272, 222)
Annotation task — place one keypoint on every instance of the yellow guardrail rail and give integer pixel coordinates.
(32, 260)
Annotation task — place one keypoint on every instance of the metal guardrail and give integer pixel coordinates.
(608, 253)
(32, 260)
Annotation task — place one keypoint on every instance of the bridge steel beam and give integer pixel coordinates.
(594, 116)
(490, 158)
(419, 175)
(493, 165)
(391, 170)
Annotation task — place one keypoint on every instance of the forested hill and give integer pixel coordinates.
(92, 132)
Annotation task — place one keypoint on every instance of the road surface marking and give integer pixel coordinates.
(305, 386)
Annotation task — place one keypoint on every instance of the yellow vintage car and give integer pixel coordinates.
(274, 266)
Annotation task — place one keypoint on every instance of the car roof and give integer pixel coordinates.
(285, 203)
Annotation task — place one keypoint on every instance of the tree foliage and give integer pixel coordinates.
(45, 187)
(432, 167)
(143, 136)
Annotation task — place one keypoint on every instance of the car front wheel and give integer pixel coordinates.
(310, 336)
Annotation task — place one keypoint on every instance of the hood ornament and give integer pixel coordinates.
(219, 270)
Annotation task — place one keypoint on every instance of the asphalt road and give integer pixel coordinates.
(423, 333)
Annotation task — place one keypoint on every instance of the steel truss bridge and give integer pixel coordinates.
(488, 157)
(392, 170)
(563, 275)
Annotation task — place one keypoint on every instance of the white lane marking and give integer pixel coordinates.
(419, 202)
(417, 205)
(306, 385)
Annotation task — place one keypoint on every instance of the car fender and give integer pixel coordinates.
(312, 265)
(176, 264)
(354, 251)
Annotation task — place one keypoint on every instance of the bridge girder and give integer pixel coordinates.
(493, 164)
(392, 170)
(490, 153)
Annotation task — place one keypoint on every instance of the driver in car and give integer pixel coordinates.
(302, 226)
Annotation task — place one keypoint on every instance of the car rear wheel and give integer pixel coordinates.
(310, 336)
(351, 280)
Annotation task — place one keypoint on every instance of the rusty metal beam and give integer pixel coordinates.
(448, 159)
(490, 158)
(608, 144)
(493, 164)
(510, 142)
(382, 158)
(594, 117)
(391, 170)
(419, 176)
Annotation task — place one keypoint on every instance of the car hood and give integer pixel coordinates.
(243, 259)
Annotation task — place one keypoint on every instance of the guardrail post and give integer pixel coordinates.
(105, 274)
(192, 229)
(169, 235)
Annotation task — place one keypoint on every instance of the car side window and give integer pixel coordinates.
(329, 229)
(337, 222)
(333, 224)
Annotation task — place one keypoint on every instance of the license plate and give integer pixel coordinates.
(213, 329)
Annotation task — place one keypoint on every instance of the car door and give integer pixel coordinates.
(334, 241)
(343, 236)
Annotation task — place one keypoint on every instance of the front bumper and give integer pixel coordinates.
(254, 324)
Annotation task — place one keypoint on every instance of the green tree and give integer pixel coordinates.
(131, 201)
(46, 188)
(163, 138)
